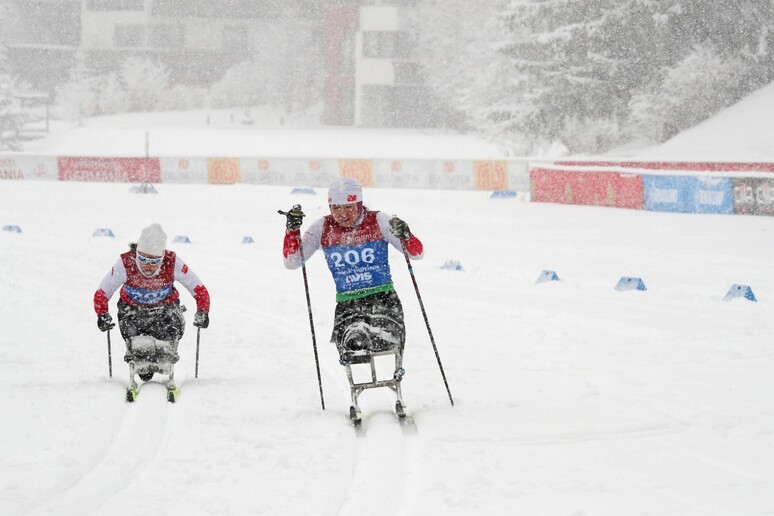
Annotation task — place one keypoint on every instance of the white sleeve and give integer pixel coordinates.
(310, 243)
(113, 279)
(186, 276)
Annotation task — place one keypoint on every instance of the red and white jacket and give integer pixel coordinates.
(140, 290)
(356, 256)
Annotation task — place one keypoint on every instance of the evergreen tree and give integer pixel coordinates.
(146, 84)
(456, 47)
(77, 98)
(580, 70)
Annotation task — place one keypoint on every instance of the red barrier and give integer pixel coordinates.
(692, 166)
(109, 170)
(588, 188)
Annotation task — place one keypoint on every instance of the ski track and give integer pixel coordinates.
(385, 472)
(385, 469)
(137, 446)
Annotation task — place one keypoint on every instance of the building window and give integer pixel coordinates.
(129, 36)
(115, 5)
(386, 44)
(235, 39)
(377, 105)
(166, 36)
(408, 72)
(237, 9)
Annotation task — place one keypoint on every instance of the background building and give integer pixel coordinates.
(369, 75)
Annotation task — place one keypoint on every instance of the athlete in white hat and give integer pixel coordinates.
(149, 303)
(355, 242)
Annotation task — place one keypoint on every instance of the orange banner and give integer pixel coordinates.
(223, 171)
(491, 175)
(360, 169)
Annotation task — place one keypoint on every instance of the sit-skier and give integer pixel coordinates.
(150, 316)
(368, 316)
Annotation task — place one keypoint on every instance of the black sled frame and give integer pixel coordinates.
(147, 356)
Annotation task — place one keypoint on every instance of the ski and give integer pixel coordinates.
(132, 393)
(406, 419)
(173, 392)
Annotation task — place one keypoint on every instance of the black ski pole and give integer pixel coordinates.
(110, 356)
(311, 319)
(427, 323)
(198, 334)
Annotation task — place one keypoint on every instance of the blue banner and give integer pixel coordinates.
(686, 194)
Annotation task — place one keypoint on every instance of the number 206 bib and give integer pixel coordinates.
(358, 267)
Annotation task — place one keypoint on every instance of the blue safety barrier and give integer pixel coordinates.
(248, 240)
(630, 283)
(547, 276)
(503, 194)
(303, 190)
(181, 239)
(740, 291)
(452, 265)
(103, 232)
(12, 229)
(143, 188)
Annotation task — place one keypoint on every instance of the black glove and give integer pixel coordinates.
(294, 218)
(201, 319)
(399, 228)
(105, 322)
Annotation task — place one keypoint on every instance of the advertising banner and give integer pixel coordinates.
(452, 175)
(360, 169)
(611, 189)
(289, 171)
(409, 173)
(714, 195)
(110, 170)
(753, 196)
(223, 171)
(685, 194)
(490, 175)
(669, 193)
(183, 170)
(518, 176)
(28, 167)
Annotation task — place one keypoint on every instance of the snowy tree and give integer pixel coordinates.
(576, 62)
(244, 84)
(145, 82)
(578, 70)
(693, 90)
(77, 98)
(111, 94)
(286, 76)
(456, 47)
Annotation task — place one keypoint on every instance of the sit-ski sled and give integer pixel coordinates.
(147, 356)
(365, 356)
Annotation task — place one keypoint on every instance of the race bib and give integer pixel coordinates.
(356, 267)
(147, 297)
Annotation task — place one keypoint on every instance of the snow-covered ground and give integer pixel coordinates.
(215, 133)
(571, 398)
(742, 132)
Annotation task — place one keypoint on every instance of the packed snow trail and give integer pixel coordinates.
(138, 444)
(385, 466)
